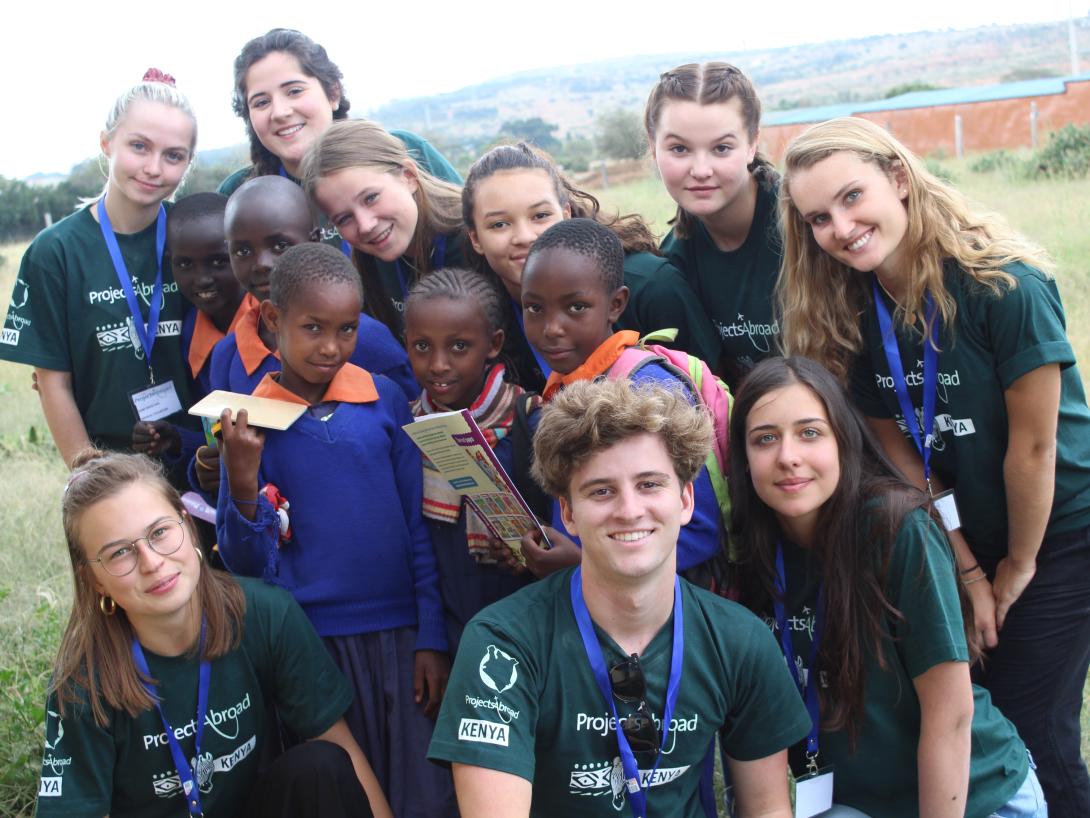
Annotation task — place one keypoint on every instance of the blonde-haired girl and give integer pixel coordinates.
(401, 221)
(952, 334)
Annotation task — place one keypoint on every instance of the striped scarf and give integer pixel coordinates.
(494, 412)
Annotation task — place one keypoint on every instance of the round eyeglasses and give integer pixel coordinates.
(164, 537)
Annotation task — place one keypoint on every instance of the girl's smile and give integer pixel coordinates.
(855, 210)
(794, 460)
(375, 211)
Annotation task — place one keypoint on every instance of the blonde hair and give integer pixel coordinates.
(95, 651)
(821, 300)
(148, 91)
(360, 143)
(586, 417)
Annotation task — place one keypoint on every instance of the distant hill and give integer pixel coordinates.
(798, 76)
(573, 96)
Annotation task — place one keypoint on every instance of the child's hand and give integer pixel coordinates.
(504, 557)
(430, 673)
(541, 562)
(241, 450)
(207, 468)
(155, 438)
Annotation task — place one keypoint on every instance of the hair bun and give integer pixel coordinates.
(85, 456)
(155, 75)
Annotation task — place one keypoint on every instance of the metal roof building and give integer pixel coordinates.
(953, 120)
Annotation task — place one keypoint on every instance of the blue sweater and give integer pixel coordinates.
(360, 559)
(377, 351)
(700, 539)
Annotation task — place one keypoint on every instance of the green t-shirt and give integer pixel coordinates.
(660, 298)
(396, 284)
(69, 313)
(737, 287)
(126, 769)
(998, 339)
(880, 777)
(522, 699)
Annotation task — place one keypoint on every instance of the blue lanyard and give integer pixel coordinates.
(637, 801)
(439, 251)
(346, 248)
(517, 307)
(809, 692)
(900, 386)
(185, 771)
(145, 332)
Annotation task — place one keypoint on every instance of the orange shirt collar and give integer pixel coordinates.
(351, 384)
(251, 349)
(206, 336)
(597, 364)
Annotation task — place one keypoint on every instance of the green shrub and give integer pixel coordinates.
(1067, 154)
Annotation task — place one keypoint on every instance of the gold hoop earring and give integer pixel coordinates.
(107, 610)
(200, 553)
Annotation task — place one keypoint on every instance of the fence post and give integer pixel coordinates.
(959, 146)
(1033, 125)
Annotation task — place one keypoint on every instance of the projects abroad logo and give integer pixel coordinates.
(762, 336)
(606, 778)
(142, 289)
(51, 786)
(499, 672)
(119, 335)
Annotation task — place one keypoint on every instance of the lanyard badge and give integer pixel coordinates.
(189, 775)
(145, 332)
(814, 790)
(637, 799)
(923, 432)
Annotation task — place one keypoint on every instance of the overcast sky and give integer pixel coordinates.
(72, 59)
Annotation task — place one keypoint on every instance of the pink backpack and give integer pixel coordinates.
(706, 389)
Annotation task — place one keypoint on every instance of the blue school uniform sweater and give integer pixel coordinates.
(360, 559)
(700, 539)
(377, 351)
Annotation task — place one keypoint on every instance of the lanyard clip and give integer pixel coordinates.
(811, 763)
(930, 491)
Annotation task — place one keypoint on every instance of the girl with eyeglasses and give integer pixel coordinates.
(168, 669)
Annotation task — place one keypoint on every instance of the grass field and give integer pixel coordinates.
(34, 576)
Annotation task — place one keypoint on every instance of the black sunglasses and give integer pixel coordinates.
(629, 686)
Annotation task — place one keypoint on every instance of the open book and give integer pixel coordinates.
(456, 447)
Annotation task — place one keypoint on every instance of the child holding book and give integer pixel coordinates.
(355, 551)
(454, 333)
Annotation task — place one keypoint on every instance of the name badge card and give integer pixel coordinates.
(814, 793)
(155, 402)
(947, 508)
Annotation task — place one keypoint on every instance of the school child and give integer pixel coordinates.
(155, 635)
(402, 222)
(513, 193)
(264, 218)
(454, 334)
(287, 92)
(198, 257)
(93, 309)
(572, 295)
(703, 124)
(879, 255)
(346, 536)
(857, 580)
